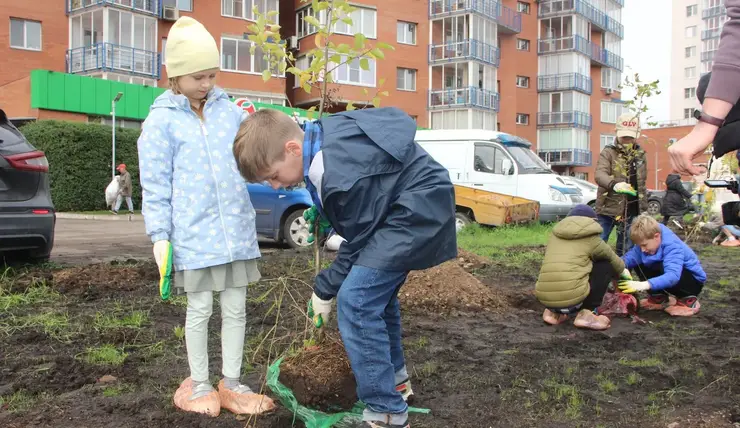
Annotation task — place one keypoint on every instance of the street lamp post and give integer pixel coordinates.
(113, 113)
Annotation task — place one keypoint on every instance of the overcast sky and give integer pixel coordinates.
(646, 49)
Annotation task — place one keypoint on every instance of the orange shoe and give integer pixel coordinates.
(209, 404)
(244, 403)
(589, 320)
(657, 302)
(553, 318)
(685, 307)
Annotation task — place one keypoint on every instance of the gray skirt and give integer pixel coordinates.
(236, 274)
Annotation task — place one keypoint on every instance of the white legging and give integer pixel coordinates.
(233, 325)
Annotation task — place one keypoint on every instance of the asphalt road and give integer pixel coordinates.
(98, 241)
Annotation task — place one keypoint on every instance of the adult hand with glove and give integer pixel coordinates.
(310, 215)
(625, 276)
(163, 256)
(319, 310)
(625, 189)
(631, 287)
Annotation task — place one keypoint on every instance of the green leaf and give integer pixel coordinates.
(364, 64)
(343, 48)
(359, 41)
(378, 53)
(312, 108)
(384, 93)
(364, 90)
(320, 5)
(272, 13)
(311, 20)
(252, 49)
(376, 102)
(382, 45)
(347, 20)
(336, 58)
(266, 75)
(351, 106)
(307, 88)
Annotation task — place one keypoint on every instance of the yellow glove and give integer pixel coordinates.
(631, 287)
(625, 188)
(163, 256)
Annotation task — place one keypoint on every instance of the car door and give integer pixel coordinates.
(264, 199)
(492, 169)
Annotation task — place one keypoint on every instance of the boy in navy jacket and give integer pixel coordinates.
(665, 266)
(394, 205)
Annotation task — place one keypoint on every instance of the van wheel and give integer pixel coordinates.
(461, 220)
(295, 230)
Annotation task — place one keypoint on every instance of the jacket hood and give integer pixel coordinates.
(577, 228)
(672, 178)
(170, 100)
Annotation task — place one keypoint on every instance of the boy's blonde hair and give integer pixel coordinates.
(643, 228)
(261, 140)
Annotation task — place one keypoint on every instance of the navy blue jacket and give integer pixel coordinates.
(385, 195)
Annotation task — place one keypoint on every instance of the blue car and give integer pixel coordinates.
(280, 213)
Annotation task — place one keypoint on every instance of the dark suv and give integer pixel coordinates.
(27, 215)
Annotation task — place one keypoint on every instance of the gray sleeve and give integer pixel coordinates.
(725, 82)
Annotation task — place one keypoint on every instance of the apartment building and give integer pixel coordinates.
(696, 27)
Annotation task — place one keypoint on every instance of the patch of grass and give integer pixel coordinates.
(700, 373)
(19, 401)
(427, 369)
(566, 392)
(116, 390)
(106, 355)
(179, 332)
(633, 378)
(181, 301)
(37, 294)
(513, 351)
(135, 320)
(653, 409)
(647, 362)
(53, 324)
(419, 343)
(496, 242)
(605, 384)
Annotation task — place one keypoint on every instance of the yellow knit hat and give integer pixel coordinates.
(190, 48)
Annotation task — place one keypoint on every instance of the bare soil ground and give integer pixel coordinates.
(96, 347)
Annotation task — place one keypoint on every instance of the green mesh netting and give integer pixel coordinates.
(315, 418)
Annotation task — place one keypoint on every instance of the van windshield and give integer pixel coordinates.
(529, 162)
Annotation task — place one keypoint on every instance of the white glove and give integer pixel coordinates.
(160, 250)
(319, 310)
(624, 188)
(630, 287)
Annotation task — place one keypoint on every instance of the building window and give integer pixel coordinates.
(688, 113)
(611, 111)
(184, 5)
(121, 123)
(689, 93)
(690, 51)
(691, 31)
(689, 72)
(351, 73)
(610, 78)
(303, 28)
(236, 57)
(406, 33)
(605, 140)
(243, 8)
(522, 81)
(692, 10)
(522, 44)
(25, 34)
(406, 79)
(363, 21)
(522, 119)
(522, 7)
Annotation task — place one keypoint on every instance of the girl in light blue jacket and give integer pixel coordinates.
(195, 199)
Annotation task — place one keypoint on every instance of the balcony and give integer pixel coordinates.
(565, 82)
(110, 57)
(711, 12)
(708, 56)
(711, 34)
(570, 119)
(597, 54)
(150, 7)
(509, 20)
(468, 49)
(566, 157)
(441, 8)
(597, 17)
(463, 98)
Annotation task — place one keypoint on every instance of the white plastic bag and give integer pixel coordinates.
(111, 192)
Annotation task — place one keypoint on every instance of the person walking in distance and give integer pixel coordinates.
(125, 189)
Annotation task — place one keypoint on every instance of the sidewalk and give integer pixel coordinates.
(105, 217)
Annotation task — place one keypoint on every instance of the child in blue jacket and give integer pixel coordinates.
(195, 200)
(665, 266)
(394, 205)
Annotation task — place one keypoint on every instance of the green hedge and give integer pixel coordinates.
(80, 161)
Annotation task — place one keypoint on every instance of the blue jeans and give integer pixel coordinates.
(624, 243)
(369, 318)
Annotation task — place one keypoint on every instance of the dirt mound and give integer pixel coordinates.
(449, 287)
(321, 378)
(124, 278)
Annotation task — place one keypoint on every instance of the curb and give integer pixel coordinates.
(111, 217)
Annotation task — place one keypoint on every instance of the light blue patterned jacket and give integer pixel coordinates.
(193, 193)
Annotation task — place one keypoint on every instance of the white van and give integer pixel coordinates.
(501, 163)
